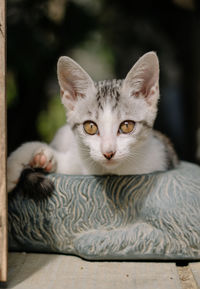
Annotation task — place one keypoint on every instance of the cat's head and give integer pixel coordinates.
(110, 118)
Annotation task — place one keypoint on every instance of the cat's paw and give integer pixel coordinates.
(12, 181)
(25, 154)
(44, 158)
(14, 170)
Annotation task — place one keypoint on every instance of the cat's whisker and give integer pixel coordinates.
(87, 158)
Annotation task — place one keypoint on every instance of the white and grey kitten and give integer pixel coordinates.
(109, 126)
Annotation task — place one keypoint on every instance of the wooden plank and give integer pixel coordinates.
(195, 268)
(3, 195)
(186, 277)
(58, 271)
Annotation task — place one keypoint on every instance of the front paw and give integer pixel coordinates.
(44, 158)
(14, 170)
(12, 181)
(38, 154)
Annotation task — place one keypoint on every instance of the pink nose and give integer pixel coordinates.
(109, 155)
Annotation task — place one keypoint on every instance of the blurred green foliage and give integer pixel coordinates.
(51, 119)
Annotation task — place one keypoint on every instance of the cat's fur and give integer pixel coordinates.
(108, 104)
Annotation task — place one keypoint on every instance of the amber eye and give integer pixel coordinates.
(90, 127)
(126, 126)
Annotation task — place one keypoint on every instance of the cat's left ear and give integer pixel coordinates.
(74, 82)
(142, 81)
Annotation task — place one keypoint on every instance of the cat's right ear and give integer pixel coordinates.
(74, 81)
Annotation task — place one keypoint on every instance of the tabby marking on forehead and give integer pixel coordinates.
(108, 91)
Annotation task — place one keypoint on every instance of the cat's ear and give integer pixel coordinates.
(143, 79)
(74, 81)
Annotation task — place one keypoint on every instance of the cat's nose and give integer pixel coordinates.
(109, 155)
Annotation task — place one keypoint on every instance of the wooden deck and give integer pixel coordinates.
(50, 271)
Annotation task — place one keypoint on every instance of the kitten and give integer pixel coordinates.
(109, 126)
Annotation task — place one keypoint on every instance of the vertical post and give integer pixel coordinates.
(3, 194)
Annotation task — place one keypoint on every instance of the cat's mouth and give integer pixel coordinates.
(110, 163)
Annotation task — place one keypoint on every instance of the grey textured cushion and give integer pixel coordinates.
(154, 216)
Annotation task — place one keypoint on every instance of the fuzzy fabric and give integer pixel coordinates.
(142, 217)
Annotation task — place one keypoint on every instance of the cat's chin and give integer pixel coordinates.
(111, 164)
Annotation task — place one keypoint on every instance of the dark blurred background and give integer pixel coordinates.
(106, 38)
